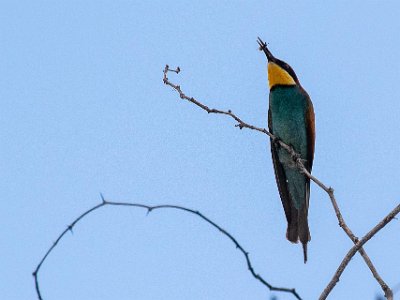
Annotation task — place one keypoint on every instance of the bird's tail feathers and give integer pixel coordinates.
(298, 228)
(292, 232)
(305, 252)
(304, 232)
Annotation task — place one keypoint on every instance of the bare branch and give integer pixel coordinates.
(356, 248)
(296, 157)
(150, 209)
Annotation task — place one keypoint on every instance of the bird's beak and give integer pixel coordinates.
(263, 47)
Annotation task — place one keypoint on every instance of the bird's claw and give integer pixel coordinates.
(296, 157)
(276, 141)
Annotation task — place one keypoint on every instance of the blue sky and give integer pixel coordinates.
(84, 110)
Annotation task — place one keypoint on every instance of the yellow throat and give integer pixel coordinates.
(277, 75)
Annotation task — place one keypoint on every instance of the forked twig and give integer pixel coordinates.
(356, 248)
(296, 157)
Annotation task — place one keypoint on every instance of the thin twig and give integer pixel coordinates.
(296, 157)
(150, 209)
(355, 248)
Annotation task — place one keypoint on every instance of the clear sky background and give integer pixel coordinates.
(84, 110)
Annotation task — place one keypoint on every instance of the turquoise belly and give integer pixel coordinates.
(288, 108)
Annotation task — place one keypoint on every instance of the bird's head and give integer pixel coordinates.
(279, 72)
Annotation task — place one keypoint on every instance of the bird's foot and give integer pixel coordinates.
(295, 156)
(276, 141)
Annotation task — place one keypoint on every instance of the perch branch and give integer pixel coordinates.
(296, 157)
(150, 209)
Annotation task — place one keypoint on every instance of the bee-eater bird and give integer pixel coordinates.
(291, 119)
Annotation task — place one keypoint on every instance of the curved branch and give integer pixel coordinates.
(296, 157)
(150, 209)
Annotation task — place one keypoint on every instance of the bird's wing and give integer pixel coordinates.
(303, 229)
(310, 130)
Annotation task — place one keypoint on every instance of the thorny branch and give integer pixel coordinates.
(296, 157)
(150, 209)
